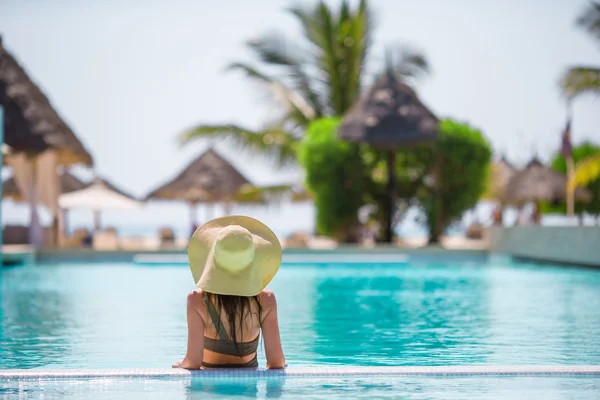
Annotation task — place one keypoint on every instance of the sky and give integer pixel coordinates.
(129, 76)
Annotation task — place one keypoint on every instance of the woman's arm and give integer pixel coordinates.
(270, 329)
(195, 344)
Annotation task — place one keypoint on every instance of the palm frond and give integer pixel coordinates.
(580, 80)
(590, 19)
(339, 46)
(328, 61)
(273, 142)
(275, 51)
(355, 33)
(264, 194)
(365, 25)
(586, 172)
(407, 63)
(288, 98)
(310, 26)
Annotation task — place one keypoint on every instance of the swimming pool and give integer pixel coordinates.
(123, 315)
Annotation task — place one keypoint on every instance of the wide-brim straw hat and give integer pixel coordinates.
(234, 255)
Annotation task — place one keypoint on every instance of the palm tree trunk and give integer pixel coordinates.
(391, 196)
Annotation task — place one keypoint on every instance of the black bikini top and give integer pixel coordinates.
(224, 345)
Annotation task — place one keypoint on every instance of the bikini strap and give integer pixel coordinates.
(216, 319)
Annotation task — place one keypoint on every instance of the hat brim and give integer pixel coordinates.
(248, 282)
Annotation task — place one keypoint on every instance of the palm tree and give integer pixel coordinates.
(320, 74)
(584, 79)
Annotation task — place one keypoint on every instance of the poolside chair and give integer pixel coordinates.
(167, 237)
(15, 234)
(475, 231)
(80, 237)
(297, 240)
(106, 239)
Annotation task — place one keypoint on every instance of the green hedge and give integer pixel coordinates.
(335, 175)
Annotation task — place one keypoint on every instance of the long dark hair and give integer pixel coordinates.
(233, 306)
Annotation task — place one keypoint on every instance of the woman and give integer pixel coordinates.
(232, 260)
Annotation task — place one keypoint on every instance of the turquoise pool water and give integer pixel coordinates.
(497, 313)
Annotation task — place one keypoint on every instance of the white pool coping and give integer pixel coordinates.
(304, 372)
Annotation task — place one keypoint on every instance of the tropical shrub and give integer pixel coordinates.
(335, 176)
(460, 161)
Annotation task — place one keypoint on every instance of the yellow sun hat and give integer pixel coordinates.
(234, 255)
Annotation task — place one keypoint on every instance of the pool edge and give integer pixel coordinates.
(304, 372)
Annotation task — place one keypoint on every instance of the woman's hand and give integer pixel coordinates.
(186, 364)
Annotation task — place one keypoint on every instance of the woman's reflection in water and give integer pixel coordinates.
(217, 388)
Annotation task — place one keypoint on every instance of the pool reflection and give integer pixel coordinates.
(400, 317)
(235, 387)
(34, 319)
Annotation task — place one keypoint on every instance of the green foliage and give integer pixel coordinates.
(334, 174)
(587, 171)
(580, 153)
(462, 159)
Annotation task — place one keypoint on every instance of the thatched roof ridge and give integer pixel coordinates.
(387, 115)
(31, 123)
(103, 182)
(68, 183)
(537, 182)
(209, 178)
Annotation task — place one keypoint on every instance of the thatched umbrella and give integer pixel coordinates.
(208, 179)
(388, 116)
(98, 196)
(31, 125)
(68, 183)
(536, 183)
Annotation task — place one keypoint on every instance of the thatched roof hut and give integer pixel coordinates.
(537, 182)
(68, 183)
(387, 116)
(210, 178)
(500, 174)
(31, 124)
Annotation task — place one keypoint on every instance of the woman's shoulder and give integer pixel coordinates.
(267, 298)
(196, 297)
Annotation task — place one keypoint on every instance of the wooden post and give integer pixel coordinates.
(391, 196)
(97, 221)
(567, 151)
(570, 193)
(36, 238)
(193, 217)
